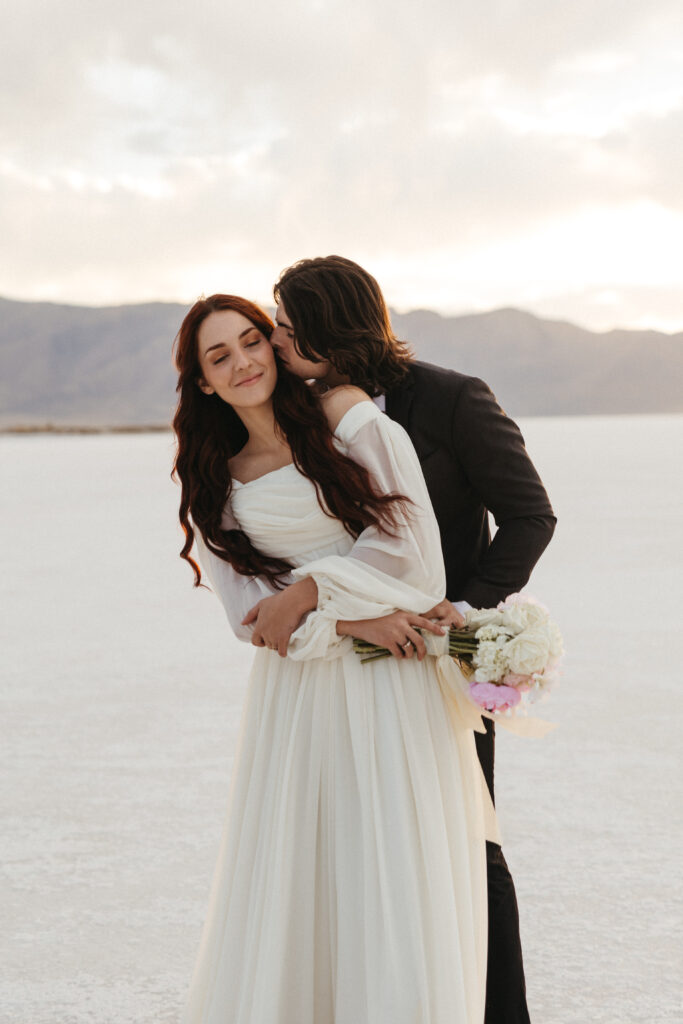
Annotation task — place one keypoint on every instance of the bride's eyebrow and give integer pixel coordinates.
(222, 344)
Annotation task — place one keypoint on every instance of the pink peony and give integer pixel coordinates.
(494, 698)
(521, 683)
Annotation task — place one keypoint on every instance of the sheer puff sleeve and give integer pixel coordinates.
(238, 594)
(383, 571)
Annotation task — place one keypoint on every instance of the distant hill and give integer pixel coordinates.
(112, 366)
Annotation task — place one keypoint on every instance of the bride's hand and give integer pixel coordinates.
(397, 632)
(275, 618)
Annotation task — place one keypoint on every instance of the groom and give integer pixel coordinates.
(333, 326)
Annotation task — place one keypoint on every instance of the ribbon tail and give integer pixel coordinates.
(522, 726)
(454, 686)
(465, 714)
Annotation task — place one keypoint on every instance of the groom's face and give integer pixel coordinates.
(282, 340)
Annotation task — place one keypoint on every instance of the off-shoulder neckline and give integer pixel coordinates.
(349, 413)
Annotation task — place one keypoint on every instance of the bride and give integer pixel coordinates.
(350, 886)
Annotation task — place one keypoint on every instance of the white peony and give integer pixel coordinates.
(515, 618)
(529, 652)
(476, 617)
(493, 633)
(489, 662)
(519, 617)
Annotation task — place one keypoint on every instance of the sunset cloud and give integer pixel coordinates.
(166, 150)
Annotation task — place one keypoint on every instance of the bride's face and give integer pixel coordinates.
(236, 360)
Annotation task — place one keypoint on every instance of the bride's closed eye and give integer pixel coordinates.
(249, 344)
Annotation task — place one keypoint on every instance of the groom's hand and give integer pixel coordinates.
(446, 614)
(396, 632)
(275, 618)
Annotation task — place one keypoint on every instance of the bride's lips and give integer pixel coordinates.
(250, 380)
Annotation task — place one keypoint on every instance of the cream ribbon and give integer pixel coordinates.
(455, 687)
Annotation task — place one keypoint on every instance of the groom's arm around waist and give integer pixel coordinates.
(492, 471)
(490, 449)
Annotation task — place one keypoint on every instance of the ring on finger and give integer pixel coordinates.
(407, 644)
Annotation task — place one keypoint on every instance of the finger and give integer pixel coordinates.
(431, 627)
(439, 610)
(405, 644)
(456, 618)
(282, 647)
(251, 615)
(417, 643)
(257, 640)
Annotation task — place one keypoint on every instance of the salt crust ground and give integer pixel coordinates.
(121, 695)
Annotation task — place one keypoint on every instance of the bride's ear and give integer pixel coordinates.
(203, 386)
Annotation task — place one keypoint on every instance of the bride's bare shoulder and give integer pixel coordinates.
(337, 401)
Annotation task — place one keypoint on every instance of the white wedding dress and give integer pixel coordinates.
(350, 886)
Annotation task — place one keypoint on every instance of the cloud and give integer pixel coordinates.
(605, 307)
(652, 145)
(146, 147)
(80, 69)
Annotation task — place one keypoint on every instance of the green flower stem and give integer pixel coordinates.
(462, 643)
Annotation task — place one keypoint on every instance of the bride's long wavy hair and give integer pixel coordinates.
(209, 432)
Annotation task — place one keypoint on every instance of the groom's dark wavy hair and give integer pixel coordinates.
(209, 432)
(338, 313)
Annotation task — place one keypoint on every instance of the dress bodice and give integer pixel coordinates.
(280, 513)
(364, 578)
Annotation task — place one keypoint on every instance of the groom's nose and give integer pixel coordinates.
(278, 338)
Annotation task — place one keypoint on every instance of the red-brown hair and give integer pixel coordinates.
(209, 432)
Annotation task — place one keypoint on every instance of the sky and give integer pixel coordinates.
(471, 155)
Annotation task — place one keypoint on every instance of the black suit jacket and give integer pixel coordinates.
(474, 461)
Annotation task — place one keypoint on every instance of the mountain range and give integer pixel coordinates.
(64, 365)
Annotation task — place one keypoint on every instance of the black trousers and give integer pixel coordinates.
(505, 984)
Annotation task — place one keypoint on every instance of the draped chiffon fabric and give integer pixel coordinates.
(350, 886)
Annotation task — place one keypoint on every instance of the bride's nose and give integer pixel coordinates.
(242, 359)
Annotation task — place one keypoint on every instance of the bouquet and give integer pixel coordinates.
(510, 654)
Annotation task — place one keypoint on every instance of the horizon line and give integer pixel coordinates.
(506, 308)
